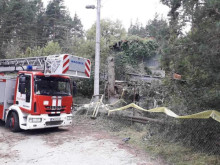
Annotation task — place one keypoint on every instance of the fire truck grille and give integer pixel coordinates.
(49, 123)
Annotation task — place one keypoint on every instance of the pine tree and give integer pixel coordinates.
(58, 23)
(77, 27)
(18, 24)
(138, 29)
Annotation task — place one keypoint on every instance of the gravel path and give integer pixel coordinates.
(80, 144)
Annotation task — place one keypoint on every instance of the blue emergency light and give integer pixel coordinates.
(29, 68)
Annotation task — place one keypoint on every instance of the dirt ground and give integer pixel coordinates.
(82, 143)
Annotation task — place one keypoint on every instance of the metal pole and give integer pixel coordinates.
(97, 50)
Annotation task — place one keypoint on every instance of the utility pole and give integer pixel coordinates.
(97, 46)
(97, 50)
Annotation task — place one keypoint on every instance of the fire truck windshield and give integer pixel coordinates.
(51, 86)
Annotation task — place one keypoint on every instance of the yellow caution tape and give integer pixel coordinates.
(120, 100)
(201, 115)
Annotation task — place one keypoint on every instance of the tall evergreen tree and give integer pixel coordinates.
(58, 23)
(18, 23)
(137, 29)
(26, 24)
(77, 27)
(196, 55)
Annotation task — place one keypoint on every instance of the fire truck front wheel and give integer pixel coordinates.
(13, 122)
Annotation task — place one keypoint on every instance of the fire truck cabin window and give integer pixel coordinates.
(52, 86)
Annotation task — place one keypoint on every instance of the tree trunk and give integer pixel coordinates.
(111, 78)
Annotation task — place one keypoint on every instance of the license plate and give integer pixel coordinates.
(55, 119)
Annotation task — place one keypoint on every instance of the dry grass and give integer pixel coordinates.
(141, 137)
(173, 153)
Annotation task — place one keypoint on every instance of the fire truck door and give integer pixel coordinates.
(24, 91)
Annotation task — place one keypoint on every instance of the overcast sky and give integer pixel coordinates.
(126, 11)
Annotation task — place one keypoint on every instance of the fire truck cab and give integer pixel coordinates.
(35, 98)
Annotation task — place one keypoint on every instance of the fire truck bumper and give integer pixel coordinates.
(45, 121)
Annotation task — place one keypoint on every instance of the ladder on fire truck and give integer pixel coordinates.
(62, 64)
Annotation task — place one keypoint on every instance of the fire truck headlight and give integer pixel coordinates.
(69, 117)
(46, 102)
(35, 120)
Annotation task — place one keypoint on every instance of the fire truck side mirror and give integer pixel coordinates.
(21, 87)
(74, 88)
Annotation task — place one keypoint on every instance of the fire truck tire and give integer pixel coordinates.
(13, 122)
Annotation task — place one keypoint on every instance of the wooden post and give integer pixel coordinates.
(134, 101)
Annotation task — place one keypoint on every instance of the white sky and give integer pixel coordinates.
(126, 11)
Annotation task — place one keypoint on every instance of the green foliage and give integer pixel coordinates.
(35, 52)
(196, 57)
(110, 33)
(158, 28)
(27, 23)
(18, 23)
(77, 27)
(50, 49)
(138, 29)
(133, 52)
(137, 50)
(58, 23)
(85, 86)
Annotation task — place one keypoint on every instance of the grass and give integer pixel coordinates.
(175, 153)
(171, 152)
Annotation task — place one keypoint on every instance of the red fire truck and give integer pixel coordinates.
(39, 94)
